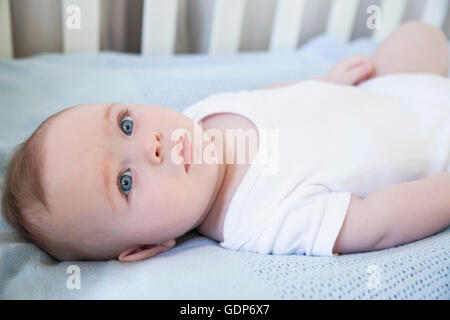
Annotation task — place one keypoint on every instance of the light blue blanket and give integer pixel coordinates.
(197, 268)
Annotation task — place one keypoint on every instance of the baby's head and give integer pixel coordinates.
(100, 182)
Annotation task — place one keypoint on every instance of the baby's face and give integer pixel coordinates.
(111, 181)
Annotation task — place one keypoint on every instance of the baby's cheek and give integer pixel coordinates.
(156, 202)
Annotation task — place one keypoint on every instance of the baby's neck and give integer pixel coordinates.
(231, 174)
(209, 225)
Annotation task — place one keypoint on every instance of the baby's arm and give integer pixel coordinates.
(349, 71)
(396, 215)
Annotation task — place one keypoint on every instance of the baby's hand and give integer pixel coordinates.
(351, 71)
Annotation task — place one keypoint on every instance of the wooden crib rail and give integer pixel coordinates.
(342, 18)
(159, 27)
(287, 24)
(85, 36)
(159, 24)
(6, 43)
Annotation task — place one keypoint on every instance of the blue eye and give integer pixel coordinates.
(127, 126)
(125, 182)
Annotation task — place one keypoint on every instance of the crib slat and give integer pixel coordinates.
(435, 12)
(287, 24)
(159, 27)
(391, 17)
(81, 25)
(6, 44)
(226, 26)
(342, 18)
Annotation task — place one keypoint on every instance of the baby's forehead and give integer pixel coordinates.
(76, 130)
(73, 146)
(83, 110)
(72, 120)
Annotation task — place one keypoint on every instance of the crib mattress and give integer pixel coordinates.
(197, 268)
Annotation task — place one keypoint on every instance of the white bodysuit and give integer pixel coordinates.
(320, 143)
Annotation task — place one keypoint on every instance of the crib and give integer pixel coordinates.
(33, 87)
(159, 23)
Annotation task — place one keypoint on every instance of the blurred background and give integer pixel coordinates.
(37, 25)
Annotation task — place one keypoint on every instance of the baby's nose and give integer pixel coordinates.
(154, 148)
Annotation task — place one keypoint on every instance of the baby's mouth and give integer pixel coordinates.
(187, 152)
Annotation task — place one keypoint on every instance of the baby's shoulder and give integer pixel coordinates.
(227, 120)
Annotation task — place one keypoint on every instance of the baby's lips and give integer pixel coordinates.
(187, 149)
(177, 152)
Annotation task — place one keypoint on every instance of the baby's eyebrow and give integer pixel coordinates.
(108, 111)
(109, 187)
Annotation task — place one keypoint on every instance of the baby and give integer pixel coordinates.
(355, 161)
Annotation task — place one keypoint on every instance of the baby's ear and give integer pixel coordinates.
(143, 251)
